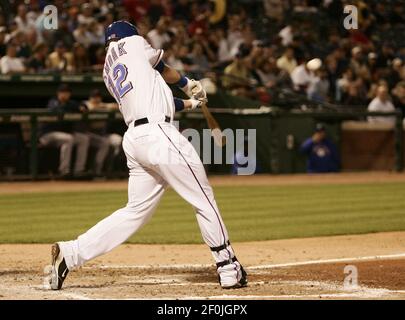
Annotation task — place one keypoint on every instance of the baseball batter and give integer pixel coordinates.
(157, 154)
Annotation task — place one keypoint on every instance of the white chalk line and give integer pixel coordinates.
(257, 267)
(325, 261)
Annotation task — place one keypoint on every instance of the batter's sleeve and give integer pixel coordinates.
(154, 55)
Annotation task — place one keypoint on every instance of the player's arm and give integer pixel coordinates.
(190, 87)
(180, 104)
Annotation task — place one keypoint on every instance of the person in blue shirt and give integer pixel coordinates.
(245, 162)
(321, 151)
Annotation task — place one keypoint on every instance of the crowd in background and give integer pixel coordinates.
(247, 47)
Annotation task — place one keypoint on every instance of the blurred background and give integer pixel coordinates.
(322, 97)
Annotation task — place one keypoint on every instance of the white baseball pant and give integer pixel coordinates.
(157, 156)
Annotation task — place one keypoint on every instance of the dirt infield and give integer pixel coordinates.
(257, 180)
(310, 268)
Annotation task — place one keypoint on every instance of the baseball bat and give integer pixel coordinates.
(219, 139)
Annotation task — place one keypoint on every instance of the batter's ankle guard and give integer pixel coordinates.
(217, 249)
(223, 247)
(226, 262)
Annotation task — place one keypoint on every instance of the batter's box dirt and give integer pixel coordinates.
(380, 279)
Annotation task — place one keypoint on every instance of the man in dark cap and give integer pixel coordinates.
(60, 60)
(63, 134)
(322, 153)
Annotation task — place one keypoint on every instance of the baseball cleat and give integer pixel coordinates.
(59, 268)
(231, 274)
(241, 283)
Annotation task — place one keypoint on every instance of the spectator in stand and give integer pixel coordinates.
(83, 35)
(25, 21)
(183, 54)
(223, 50)
(10, 64)
(206, 48)
(357, 62)
(71, 18)
(159, 36)
(235, 37)
(342, 63)
(394, 74)
(372, 92)
(236, 75)
(397, 15)
(23, 49)
(343, 84)
(386, 56)
(199, 60)
(199, 14)
(272, 77)
(3, 46)
(171, 59)
(12, 31)
(302, 77)
(353, 97)
(136, 9)
(61, 35)
(398, 94)
(155, 11)
(287, 35)
(372, 66)
(63, 135)
(99, 59)
(81, 60)
(37, 63)
(287, 61)
(322, 153)
(381, 103)
(86, 16)
(96, 31)
(274, 9)
(319, 87)
(60, 60)
(181, 10)
(354, 93)
(266, 74)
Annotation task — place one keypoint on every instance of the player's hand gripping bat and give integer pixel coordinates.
(216, 132)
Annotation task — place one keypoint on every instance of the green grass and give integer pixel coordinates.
(250, 213)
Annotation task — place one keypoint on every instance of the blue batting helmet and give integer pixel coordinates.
(120, 29)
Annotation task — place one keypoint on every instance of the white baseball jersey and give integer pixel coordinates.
(130, 77)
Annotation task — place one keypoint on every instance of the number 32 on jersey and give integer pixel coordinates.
(118, 85)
